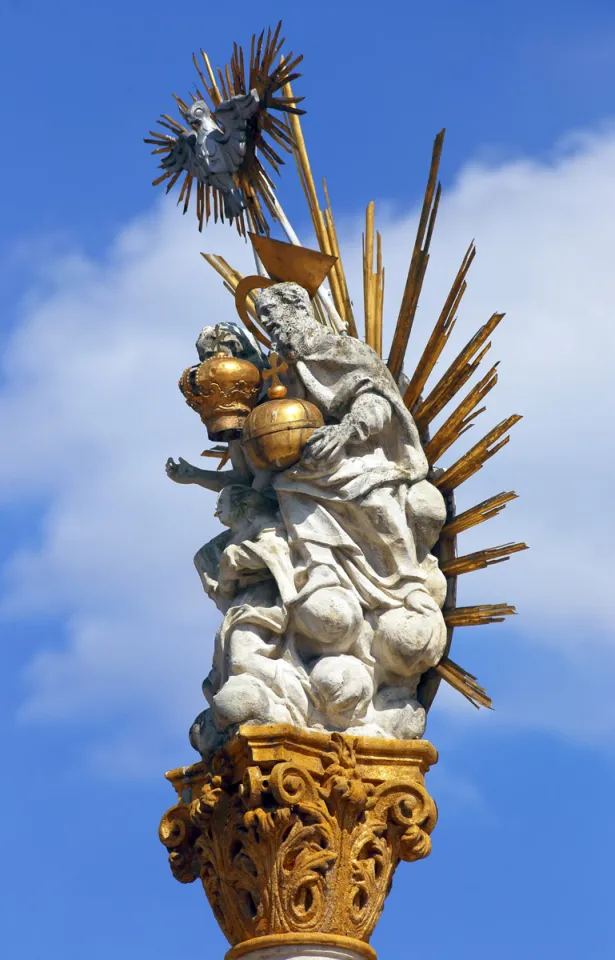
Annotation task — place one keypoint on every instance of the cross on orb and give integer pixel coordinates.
(277, 390)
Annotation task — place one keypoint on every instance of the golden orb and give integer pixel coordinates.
(275, 434)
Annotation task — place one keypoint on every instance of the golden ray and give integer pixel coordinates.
(216, 96)
(229, 82)
(272, 157)
(465, 683)
(168, 126)
(326, 238)
(160, 138)
(175, 125)
(224, 460)
(182, 192)
(480, 559)
(379, 295)
(207, 87)
(183, 106)
(478, 514)
(461, 419)
(346, 313)
(476, 457)
(339, 290)
(333, 278)
(478, 615)
(218, 451)
(200, 205)
(303, 162)
(418, 263)
(441, 332)
(188, 191)
(459, 372)
(173, 180)
(368, 266)
(160, 179)
(222, 84)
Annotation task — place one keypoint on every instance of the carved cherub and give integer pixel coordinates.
(253, 677)
(251, 517)
(239, 342)
(233, 339)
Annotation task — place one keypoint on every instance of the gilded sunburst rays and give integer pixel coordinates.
(266, 134)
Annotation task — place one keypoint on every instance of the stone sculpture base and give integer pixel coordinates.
(296, 835)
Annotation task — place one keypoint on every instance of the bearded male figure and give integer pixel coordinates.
(360, 519)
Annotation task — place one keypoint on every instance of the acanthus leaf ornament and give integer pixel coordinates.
(302, 832)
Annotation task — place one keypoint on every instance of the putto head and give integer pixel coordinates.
(224, 387)
(237, 504)
(221, 338)
(234, 338)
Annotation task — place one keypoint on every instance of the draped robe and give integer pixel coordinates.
(370, 515)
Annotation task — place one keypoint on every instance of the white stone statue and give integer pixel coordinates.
(232, 337)
(330, 595)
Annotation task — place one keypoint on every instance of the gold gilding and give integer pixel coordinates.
(323, 940)
(300, 832)
(275, 434)
(223, 391)
(286, 262)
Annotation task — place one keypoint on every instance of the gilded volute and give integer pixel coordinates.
(294, 832)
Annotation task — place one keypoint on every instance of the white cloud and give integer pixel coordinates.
(90, 410)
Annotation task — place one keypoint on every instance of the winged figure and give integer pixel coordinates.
(225, 143)
(215, 146)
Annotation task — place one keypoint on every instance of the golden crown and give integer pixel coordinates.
(223, 390)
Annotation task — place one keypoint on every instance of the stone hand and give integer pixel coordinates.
(326, 443)
(182, 472)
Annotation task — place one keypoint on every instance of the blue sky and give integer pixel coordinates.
(106, 635)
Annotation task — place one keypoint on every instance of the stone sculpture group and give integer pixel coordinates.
(331, 598)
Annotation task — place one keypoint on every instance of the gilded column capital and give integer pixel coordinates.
(299, 833)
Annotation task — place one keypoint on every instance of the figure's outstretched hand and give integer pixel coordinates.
(182, 472)
(327, 443)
